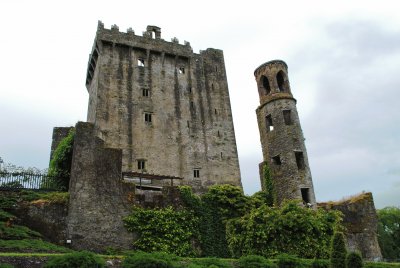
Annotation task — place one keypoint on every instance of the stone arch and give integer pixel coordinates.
(282, 81)
(265, 84)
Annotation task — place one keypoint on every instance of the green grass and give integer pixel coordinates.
(31, 245)
(16, 232)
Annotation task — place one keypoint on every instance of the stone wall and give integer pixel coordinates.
(361, 223)
(47, 218)
(98, 198)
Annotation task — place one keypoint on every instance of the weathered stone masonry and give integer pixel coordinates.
(166, 107)
(281, 136)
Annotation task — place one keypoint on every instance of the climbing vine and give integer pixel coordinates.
(60, 165)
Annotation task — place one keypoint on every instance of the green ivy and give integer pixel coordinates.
(60, 164)
(165, 230)
(292, 229)
(270, 197)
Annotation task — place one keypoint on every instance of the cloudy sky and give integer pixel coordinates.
(344, 70)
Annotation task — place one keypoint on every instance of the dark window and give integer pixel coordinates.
(265, 84)
(196, 173)
(276, 160)
(219, 134)
(287, 116)
(141, 164)
(221, 155)
(192, 105)
(268, 122)
(190, 89)
(305, 195)
(215, 111)
(140, 62)
(146, 92)
(147, 117)
(212, 86)
(280, 78)
(300, 160)
(181, 70)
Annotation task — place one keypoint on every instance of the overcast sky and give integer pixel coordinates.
(344, 71)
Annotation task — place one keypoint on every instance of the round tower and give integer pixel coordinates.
(281, 136)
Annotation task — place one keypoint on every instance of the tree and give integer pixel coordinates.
(354, 260)
(338, 251)
(389, 232)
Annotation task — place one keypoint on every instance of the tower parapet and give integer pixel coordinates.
(281, 135)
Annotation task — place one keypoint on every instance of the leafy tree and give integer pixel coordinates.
(389, 232)
(338, 251)
(83, 259)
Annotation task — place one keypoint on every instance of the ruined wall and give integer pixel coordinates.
(132, 78)
(98, 198)
(47, 218)
(361, 223)
(281, 135)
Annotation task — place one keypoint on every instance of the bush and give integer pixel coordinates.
(319, 264)
(6, 265)
(83, 259)
(211, 263)
(338, 251)
(255, 261)
(147, 260)
(288, 261)
(354, 260)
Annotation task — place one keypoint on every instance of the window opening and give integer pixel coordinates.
(146, 92)
(147, 117)
(287, 116)
(140, 62)
(276, 160)
(141, 163)
(196, 173)
(192, 105)
(305, 195)
(268, 121)
(212, 86)
(190, 89)
(219, 134)
(300, 160)
(188, 123)
(181, 70)
(215, 111)
(280, 78)
(265, 84)
(216, 69)
(221, 155)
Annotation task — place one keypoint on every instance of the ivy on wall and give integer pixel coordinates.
(164, 230)
(291, 229)
(224, 223)
(60, 164)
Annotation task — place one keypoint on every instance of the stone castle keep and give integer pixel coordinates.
(157, 109)
(166, 107)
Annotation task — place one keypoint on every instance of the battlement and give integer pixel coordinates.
(152, 34)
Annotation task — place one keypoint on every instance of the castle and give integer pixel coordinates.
(166, 107)
(157, 110)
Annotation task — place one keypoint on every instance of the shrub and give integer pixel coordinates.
(83, 259)
(147, 260)
(211, 262)
(319, 264)
(255, 261)
(338, 251)
(354, 260)
(6, 265)
(288, 261)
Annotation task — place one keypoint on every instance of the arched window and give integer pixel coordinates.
(265, 84)
(280, 78)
